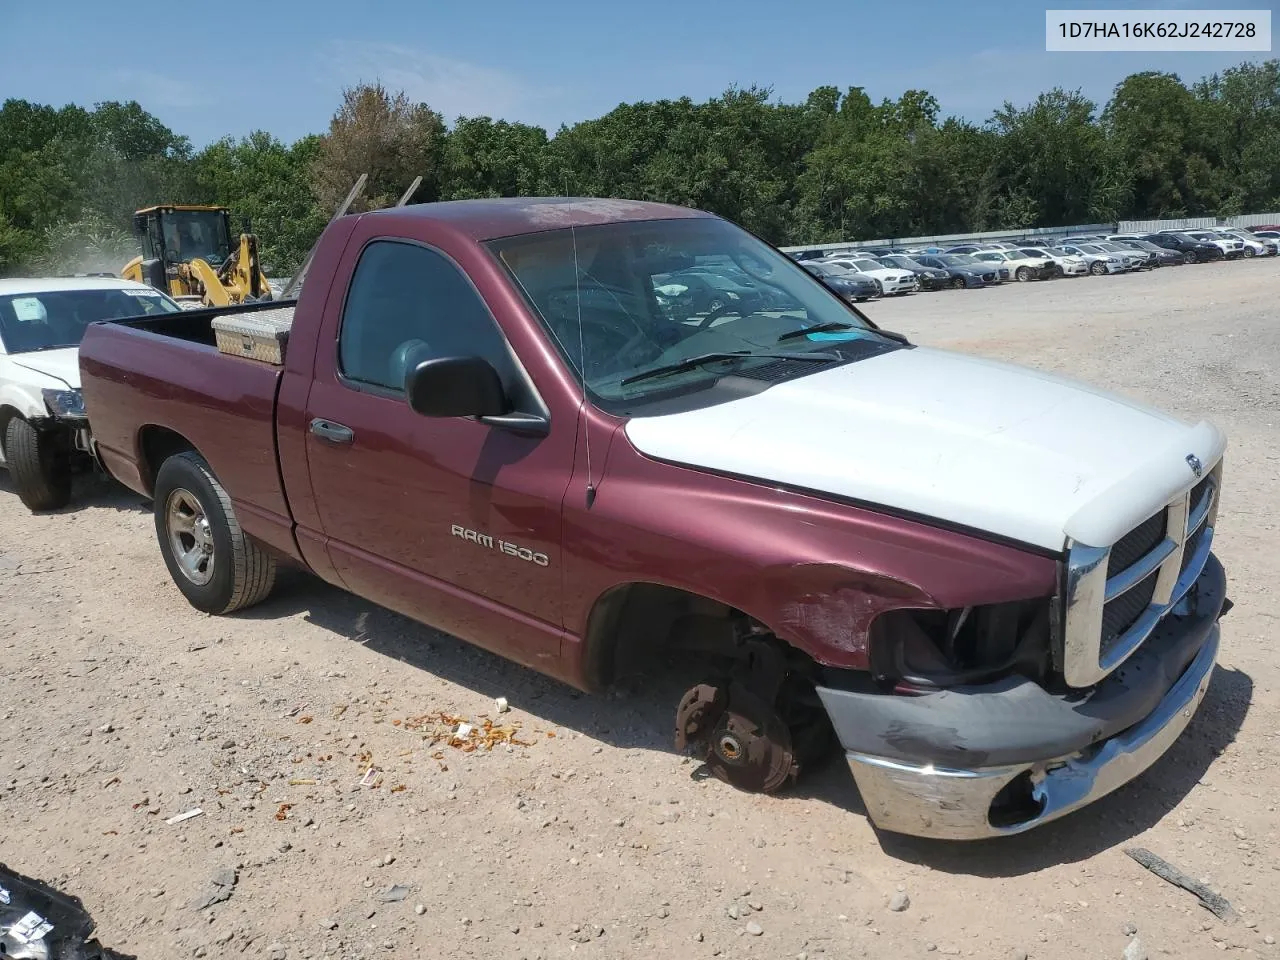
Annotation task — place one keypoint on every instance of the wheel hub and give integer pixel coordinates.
(190, 536)
(738, 735)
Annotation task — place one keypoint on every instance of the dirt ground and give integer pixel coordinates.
(120, 707)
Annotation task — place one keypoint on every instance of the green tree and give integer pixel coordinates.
(1054, 165)
(487, 158)
(386, 136)
(267, 186)
(1243, 112)
(1161, 134)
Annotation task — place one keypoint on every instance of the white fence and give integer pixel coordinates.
(1197, 223)
(952, 239)
(1047, 233)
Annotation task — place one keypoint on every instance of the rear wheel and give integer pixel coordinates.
(217, 568)
(40, 462)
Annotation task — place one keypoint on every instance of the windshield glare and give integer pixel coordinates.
(620, 299)
(56, 319)
(829, 269)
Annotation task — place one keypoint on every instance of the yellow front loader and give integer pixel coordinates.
(187, 252)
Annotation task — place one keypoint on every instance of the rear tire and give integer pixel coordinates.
(40, 462)
(217, 568)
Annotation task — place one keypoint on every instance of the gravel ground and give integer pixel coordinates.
(120, 707)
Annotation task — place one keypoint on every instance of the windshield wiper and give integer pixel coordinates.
(690, 363)
(827, 327)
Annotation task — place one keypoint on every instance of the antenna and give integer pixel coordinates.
(582, 364)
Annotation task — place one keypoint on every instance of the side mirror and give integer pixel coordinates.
(456, 387)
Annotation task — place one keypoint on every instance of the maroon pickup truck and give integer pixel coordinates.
(584, 433)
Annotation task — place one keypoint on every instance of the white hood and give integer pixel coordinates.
(62, 365)
(989, 446)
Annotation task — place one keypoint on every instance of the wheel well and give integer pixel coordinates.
(634, 622)
(158, 444)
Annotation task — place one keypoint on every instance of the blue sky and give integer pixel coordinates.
(286, 61)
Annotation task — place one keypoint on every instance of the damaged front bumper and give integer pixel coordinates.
(1003, 758)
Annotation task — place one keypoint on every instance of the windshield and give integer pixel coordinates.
(1033, 252)
(959, 260)
(1091, 248)
(625, 298)
(989, 255)
(56, 319)
(865, 265)
(903, 263)
(196, 235)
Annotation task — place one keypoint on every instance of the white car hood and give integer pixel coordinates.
(992, 447)
(62, 365)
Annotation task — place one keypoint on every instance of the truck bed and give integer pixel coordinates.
(141, 409)
(198, 326)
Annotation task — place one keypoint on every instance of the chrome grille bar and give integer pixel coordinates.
(1087, 588)
(1130, 577)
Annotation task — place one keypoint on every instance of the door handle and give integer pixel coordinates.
(333, 432)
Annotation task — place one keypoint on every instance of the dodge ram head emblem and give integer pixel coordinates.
(1194, 463)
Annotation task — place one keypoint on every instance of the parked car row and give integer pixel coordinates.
(899, 270)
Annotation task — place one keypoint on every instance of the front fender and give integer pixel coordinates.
(814, 571)
(26, 399)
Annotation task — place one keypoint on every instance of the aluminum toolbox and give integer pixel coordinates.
(257, 334)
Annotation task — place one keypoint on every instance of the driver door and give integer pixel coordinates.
(448, 520)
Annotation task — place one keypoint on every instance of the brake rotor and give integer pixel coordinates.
(700, 709)
(741, 738)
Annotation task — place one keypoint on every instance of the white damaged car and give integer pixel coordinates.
(892, 280)
(44, 434)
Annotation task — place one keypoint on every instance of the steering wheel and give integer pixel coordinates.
(718, 312)
(606, 333)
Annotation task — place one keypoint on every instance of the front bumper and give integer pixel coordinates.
(1007, 757)
(900, 286)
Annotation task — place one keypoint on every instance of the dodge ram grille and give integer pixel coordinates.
(1114, 596)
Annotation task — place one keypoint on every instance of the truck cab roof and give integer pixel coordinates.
(490, 219)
